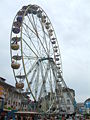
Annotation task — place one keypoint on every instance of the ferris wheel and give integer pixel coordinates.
(35, 57)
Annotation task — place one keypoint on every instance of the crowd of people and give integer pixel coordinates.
(58, 117)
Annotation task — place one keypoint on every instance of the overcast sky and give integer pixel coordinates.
(71, 21)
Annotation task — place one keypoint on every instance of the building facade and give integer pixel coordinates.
(13, 98)
(87, 106)
(65, 103)
(81, 108)
(68, 99)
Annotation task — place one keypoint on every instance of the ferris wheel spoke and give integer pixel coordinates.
(39, 39)
(36, 29)
(57, 85)
(50, 82)
(29, 28)
(32, 81)
(31, 69)
(30, 47)
(50, 53)
(30, 57)
(49, 77)
(31, 41)
(45, 34)
(49, 46)
(34, 23)
(39, 46)
(33, 26)
(54, 74)
(44, 37)
(37, 83)
(32, 78)
(49, 41)
(44, 78)
(37, 35)
(20, 71)
(24, 55)
(43, 46)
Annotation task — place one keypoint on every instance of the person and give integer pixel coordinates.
(63, 117)
(60, 118)
(52, 118)
(45, 118)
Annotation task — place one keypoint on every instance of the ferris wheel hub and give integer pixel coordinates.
(47, 58)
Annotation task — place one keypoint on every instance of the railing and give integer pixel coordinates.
(10, 114)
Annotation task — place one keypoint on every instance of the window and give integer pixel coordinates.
(8, 101)
(68, 101)
(16, 103)
(19, 103)
(68, 108)
(68, 94)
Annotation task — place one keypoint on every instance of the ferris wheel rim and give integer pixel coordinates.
(22, 47)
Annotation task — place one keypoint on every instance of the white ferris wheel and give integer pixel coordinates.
(35, 57)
